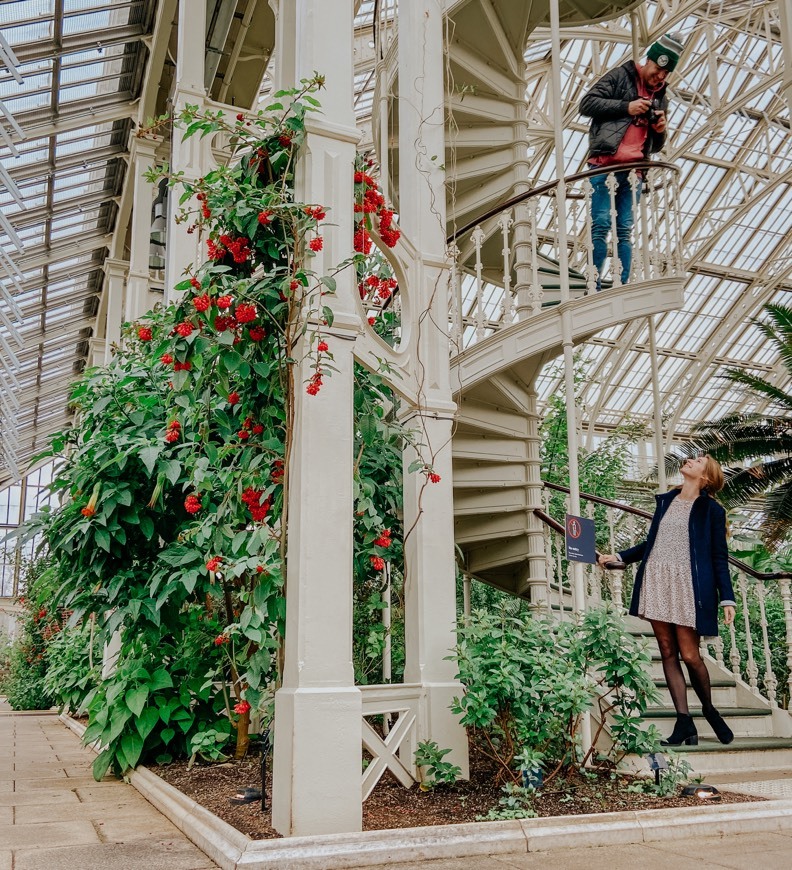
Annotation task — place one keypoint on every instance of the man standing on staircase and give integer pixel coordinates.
(627, 107)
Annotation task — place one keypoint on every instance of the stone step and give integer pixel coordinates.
(744, 754)
(747, 722)
(724, 693)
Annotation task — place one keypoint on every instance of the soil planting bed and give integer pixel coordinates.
(392, 806)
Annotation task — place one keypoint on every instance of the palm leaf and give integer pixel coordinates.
(760, 386)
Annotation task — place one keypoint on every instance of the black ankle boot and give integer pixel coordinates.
(721, 729)
(684, 732)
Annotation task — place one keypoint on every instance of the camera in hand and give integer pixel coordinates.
(654, 111)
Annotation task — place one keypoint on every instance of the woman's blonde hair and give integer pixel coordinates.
(714, 475)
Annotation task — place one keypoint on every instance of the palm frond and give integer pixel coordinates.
(760, 386)
(778, 331)
(778, 513)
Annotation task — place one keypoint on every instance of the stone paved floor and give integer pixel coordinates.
(54, 815)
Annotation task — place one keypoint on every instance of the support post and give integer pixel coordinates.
(193, 157)
(430, 581)
(115, 281)
(139, 297)
(578, 578)
(318, 710)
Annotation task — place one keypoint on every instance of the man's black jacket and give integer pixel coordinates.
(606, 104)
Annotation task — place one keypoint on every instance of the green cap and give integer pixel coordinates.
(666, 51)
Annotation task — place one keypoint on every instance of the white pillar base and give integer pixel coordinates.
(438, 723)
(317, 761)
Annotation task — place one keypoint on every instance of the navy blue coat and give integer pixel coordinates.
(709, 558)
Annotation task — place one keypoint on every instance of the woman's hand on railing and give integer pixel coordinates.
(610, 561)
(728, 614)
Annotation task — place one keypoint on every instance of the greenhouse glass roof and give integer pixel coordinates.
(72, 70)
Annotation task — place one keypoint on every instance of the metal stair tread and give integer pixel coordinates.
(739, 744)
(716, 684)
(726, 712)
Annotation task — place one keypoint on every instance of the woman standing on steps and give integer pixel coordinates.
(684, 574)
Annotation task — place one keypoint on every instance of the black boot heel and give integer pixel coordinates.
(684, 732)
(718, 725)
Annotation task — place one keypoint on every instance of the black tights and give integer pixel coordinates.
(675, 641)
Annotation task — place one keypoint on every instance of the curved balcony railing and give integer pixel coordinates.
(505, 264)
(756, 647)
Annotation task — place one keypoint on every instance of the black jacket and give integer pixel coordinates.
(709, 558)
(606, 104)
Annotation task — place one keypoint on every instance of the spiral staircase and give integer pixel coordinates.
(508, 313)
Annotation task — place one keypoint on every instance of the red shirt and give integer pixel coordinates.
(631, 147)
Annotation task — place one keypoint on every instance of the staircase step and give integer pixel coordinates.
(670, 713)
(743, 754)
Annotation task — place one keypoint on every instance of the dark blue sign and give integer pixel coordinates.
(580, 546)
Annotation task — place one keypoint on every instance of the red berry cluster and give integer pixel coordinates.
(192, 504)
(316, 243)
(276, 474)
(245, 313)
(384, 540)
(182, 366)
(378, 563)
(214, 563)
(265, 217)
(144, 333)
(174, 431)
(317, 212)
(238, 247)
(233, 398)
(257, 333)
(258, 508)
(315, 384)
(242, 707)
(434, 478)
(185, 329)
(369, 200)
(205, 210)
(202, 303)
(221, 639)
(377, 288)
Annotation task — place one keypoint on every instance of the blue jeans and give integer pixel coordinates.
(601, 222)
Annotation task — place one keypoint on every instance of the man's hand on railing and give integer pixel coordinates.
(610, 561)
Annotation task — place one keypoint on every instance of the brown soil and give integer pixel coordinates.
(392, 806)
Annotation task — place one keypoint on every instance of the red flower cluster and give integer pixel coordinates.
(192, 504)
(377, 287)
(315, 384)
(202, 303)
(214, 563)
(378, 563)
(144, 333)
(221, 323)
(221, 639)
(166, 359)
(370, 201)
(233, 398)
(205, 211)
(245, 313)
(224, 302)
(384, 540)
(174, 430)
(242, 707)
(195, 283)
(265, 218)
(258, 508)
(285, 140)
(276, 474)
(322, 347)
(316, 212)
(88, 511)
(257, 333)
(434, 478)
(185, 329)
(316, 243)
(182, 367)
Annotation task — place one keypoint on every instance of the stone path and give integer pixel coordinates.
(54, 815)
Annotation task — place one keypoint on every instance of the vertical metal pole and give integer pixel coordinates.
(662, 484)
(387, 664)
(578, 579)
(466, 584)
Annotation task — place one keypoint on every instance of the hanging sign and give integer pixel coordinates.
(580, 546)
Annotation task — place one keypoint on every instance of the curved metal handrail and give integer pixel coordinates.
(629, 509)
(546, 188)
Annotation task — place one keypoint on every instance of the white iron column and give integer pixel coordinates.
(115, 280)
(537, 563)
(657, 405)
(785, 23)
(139, 299)
(578, 577)
(318, 710)
(193, 157)
(430, 588)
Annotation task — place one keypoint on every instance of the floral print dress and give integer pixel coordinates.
(667, 588)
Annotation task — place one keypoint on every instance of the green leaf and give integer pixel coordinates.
(132, 746)
(149, 455)
(160, 679)
(146, 721)
(102, 763)
(136, 699)
(328, 315)
(167, 735)
(102, 538)
(329, 282)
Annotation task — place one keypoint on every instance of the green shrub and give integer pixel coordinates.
(73, 668)
(529, 680)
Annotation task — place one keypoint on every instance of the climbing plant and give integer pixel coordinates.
(173, 524)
